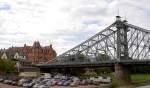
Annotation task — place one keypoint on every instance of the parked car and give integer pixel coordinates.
(1, 79)
(89, 81)
(21, 81)
(14, 83)
(74, 84)
(53, 82)
(15, 80)
(83, 82)
(106, 80)
(48, 83)
(47, 75)
(67, 83)
(62, 82)
(7, 81)
(28, 83)
(36, 85)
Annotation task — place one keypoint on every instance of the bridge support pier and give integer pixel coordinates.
(122, 74)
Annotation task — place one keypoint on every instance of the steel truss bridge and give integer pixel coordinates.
(120, 42)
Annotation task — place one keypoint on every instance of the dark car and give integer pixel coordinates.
(28, 84)
(67, 83)
(15, 81)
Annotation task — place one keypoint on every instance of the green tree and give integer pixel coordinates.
(79, 57)
(103, 70)
(1, 66)
(89, 74)
(7, 66)
(103, 57)
(72, 57)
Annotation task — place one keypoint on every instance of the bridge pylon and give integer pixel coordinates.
(122, 72)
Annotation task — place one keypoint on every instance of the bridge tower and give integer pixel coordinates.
(122, 72)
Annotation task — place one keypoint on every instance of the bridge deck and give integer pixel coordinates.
(93, 64)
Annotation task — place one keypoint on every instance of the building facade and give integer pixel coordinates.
(36, 53)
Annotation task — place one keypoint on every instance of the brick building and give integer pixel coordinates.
(35, 54)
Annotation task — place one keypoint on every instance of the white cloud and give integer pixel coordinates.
(64, 23)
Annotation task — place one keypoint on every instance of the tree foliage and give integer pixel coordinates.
(140, 69)
(79, 57)
(89, 74)
(7, 66)
(103, 57)
(103, 70)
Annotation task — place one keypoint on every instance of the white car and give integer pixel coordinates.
(47, 75)
(21, 81)
(106, 79)
(36, 85)
(27, 85)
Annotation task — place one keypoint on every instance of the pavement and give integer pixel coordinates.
(88, 86)
(8, 86)
(148, 86)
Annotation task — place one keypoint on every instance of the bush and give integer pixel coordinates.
(90, 74)
(103, 70)
(114, 83)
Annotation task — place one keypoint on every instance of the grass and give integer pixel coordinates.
(140, 79)
(137, 80)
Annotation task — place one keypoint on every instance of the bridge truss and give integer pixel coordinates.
(120, 41)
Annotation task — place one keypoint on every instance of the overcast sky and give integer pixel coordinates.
(64, 23)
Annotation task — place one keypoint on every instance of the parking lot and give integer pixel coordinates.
(58, 80)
